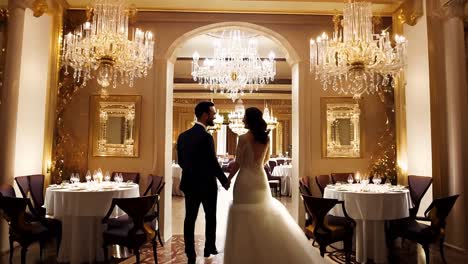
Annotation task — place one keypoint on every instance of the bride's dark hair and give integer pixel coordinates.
(256, 124)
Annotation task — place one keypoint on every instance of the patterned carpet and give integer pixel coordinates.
(173, 253)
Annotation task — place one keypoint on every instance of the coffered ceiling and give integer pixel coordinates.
(382, 7)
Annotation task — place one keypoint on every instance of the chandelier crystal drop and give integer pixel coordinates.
(355, 60)
(271, 121)
(102, 48)
(235, 119)
(235, 67)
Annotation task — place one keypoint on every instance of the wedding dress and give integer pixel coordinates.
(259, 228)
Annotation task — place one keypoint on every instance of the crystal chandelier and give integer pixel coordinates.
(235, 66)
(354, 60)
(235, 119)
(102, 47)
(271, 121)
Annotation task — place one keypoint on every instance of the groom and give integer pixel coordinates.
(200, 168)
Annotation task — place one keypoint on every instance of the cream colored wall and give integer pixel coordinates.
(33, 85)
(418, 112)
(157, 100)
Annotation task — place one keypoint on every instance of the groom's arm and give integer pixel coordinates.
(213, 162)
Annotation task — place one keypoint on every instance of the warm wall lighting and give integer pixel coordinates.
(49, 166)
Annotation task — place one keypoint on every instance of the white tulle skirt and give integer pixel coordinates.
(266, 233)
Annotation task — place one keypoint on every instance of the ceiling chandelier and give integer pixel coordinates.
(271, 121)
(235, 119)
(102, 47)
(354, 60)
(235, 66)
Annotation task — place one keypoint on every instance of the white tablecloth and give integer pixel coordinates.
(176, 176)
(370, 210)
(81, 212)
(285, 172)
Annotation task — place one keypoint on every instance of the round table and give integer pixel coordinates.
(81, 211)
(285, 172)
(370, 206)
(176, 176)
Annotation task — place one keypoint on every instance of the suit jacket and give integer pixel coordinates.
(197, 158)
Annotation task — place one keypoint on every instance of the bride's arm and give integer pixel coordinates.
(236, 165)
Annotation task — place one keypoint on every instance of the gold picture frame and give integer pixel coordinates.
(341, 121)
(115, 125)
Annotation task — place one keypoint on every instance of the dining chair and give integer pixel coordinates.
(322, 182)
(341, 177)
(273, 181)
(134, 234)
(33, 185)
(13, 210)
(272, 164)
(304, 185)
(128, 176)
(7, 190)
(425, 235)
(154, 183)
(418, 186)
(326, 232)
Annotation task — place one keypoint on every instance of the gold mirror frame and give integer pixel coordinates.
(332, 110)
(125, 107)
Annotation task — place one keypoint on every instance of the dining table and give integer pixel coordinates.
(370, 205)
(176, 177)
(285, 173)
(80, 207)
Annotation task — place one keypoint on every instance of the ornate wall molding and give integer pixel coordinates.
(409, 12)
(449, 9)
(39, 7)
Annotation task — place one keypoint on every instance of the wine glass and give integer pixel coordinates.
(95, 176)
(377, 179)
(350, 179)
(88, 176)
(107, 177)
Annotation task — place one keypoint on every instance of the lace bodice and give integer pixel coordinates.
(251, 183)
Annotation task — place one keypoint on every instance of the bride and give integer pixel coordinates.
(260, 229)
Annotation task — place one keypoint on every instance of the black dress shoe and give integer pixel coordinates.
(207, 253)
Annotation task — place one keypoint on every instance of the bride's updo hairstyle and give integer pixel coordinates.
(256, 124)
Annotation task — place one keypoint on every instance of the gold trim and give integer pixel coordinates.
(323, 121)
(39, 7)
(409, 12)
(400, 119)
(51, 100)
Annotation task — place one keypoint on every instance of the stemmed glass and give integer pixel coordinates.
(88, 176)
(350, 179)
(377, 179)
(107, 178)
(95, 176)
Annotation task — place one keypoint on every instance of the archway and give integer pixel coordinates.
(292, 59)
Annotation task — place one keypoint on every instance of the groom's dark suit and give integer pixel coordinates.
(200, 168)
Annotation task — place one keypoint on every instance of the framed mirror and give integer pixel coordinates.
(115, 123)
(341, 127)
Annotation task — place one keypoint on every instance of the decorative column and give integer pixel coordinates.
(449, 103)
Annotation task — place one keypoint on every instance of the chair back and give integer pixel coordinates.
(266, 168)
(322, 182)
(13, 210)
(341, 177)
(280, 161)
(136, 208)
(304, 186)
(439, 210)
(154, 184)
(272, 164)
(7, 190)
(318, 208)
(418, 186)
(128, 176)
(33, 184)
